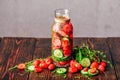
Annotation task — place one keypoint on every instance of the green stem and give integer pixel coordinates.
(10, 69)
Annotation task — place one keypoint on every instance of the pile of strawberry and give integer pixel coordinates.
(37, 65)
(94, 66)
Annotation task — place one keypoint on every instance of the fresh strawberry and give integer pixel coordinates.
(63, 62)
(37, 69)
(78, 66)
(42, 61)
(72, 69)
(43, 65)
(101, 68)
(103, 63)
(93, 70)
(51, 66)
(94, 65)
(21, 66)
(36, 62)
(72, 63)
(57, 42)
(62, 33)
(48, 61)
(85, 69)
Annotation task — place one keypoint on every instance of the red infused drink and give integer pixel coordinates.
(62, 38)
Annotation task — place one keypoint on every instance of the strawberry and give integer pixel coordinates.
(43, 65)
(21, 66)
(78, 66)
(63, 62)
(62, 33)
(66, 48)
(67, 52)
(65, 43)
(51, 66)
(101, 68)
(85, 69)
(103, 63)
(38, 69)
(36, 62)
(93, 70)
(68, 28)
(94, 65)
(71, 36)
(72, 69)
(55, 47)
(48, 61)
(72, 63)
(57, 42)
(55, 35)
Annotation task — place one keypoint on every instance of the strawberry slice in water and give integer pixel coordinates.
(62, 33)
(65, 43)
(71, 36)
(55, 35)
(68, 28)
(56, 43)
(67, 52)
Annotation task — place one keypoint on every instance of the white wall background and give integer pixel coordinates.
(33, 18)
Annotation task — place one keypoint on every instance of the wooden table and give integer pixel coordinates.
(16, 50)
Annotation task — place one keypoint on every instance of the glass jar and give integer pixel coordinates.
(62, 38)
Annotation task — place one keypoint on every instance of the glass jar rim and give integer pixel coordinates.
(62, 12)
(61, 9)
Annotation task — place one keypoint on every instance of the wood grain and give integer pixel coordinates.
(0, 39)
(114, 45)
(6, 55)
(17, 50)
(79, 41)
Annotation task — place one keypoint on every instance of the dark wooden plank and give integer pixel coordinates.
(20, 50)
(79, 41)
(0, 39)
(100, 44)
(5, 52)
(114, 45)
